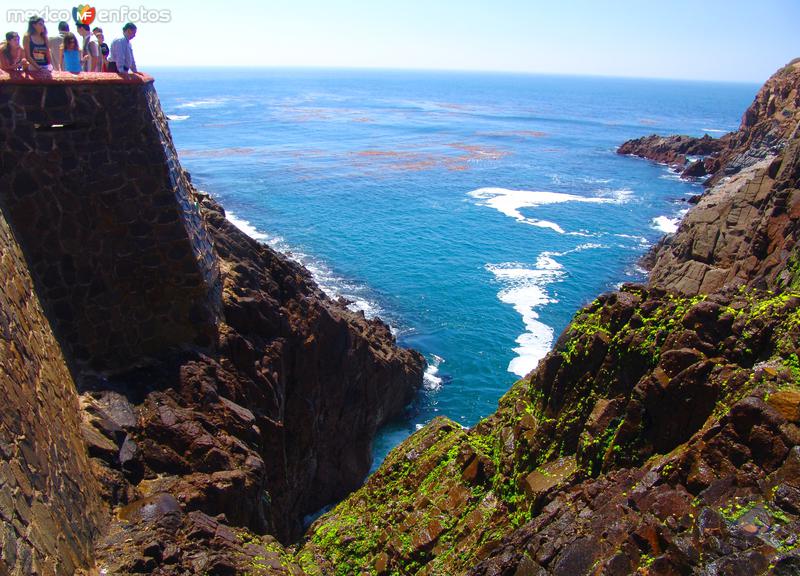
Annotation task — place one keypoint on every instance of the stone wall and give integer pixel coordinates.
(49, 506)
(91, 185)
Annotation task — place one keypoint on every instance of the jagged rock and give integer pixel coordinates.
(210, 368)
(673, 150)
(767, 125)
(660, 436)
(675, 405)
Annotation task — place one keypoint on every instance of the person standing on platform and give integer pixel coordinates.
(56, 42)
(101, 43)
(71, 55)
(91, 53)
(121, 59)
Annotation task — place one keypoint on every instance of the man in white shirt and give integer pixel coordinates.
(121, 59)
(90, 48)
(56, 43)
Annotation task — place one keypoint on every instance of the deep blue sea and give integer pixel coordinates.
(475, 213)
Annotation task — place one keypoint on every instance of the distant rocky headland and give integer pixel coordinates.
(178, 396)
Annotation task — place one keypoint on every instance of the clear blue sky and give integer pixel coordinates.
(702, 39)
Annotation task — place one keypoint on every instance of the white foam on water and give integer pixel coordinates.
(669, 224)
(430, 379)
(246, 227)
(177, 117)
(640, 239)
(334, 285)
(525, 288)
(525, 291)
(331, 284)
(207, 103)
(621, 196)
(509, 202)
(666, 224)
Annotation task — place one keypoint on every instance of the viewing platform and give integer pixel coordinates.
(68, 78)
(93, 190)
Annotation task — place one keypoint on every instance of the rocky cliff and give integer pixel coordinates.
(215, 395)
(743, 231)
(767, 126)
(662, 433)
(660, 436)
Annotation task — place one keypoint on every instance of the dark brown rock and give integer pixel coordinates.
(672, 150)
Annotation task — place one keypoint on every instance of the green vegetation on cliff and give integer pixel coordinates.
(638, 379)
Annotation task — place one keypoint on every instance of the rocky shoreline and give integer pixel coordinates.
(766, 128)
(661, 435)
(197, 439)
(274, 424)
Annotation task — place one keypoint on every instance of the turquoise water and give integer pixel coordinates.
(473, 212)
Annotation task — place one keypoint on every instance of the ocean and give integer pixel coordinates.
(473, 212)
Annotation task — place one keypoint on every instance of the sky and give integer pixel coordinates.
(733, 40)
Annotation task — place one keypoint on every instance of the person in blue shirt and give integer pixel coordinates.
(71, 55)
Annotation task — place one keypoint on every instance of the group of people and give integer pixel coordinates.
(37, 52)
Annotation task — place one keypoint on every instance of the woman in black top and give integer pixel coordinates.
(35, 43)
(104, 51)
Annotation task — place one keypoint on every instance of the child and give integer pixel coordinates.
(71, 54)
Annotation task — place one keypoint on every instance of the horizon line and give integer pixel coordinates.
(452, 70)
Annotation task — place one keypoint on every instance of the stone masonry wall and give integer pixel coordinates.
(49, 506)
(92, 188)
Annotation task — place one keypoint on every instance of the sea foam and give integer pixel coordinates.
(246, 227)
(669, 224)
(207, 103)
(509, 202)
(431, 379)
(329, 282)
(525, 288)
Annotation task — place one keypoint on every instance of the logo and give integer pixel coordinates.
(84, 14)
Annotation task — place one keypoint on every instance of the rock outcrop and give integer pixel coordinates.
(767, 125)
(677, 152)
(662, 433)
(744, 229)
(185, 449)
(272, 425)
(660, 436)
